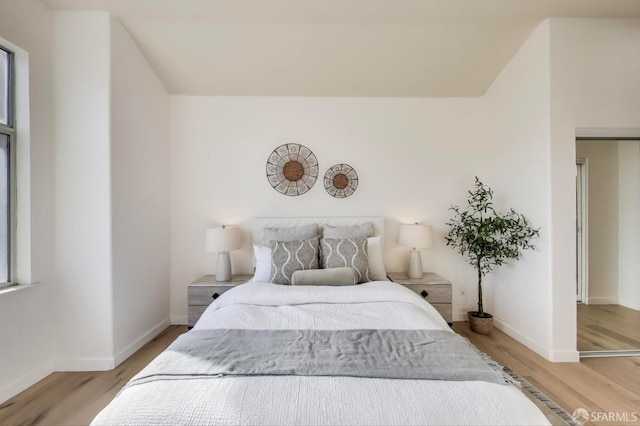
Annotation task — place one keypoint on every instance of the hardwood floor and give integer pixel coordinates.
(76, 398)
(608, 327)
(600, 385)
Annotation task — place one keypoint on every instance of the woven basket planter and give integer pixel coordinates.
(480, 325)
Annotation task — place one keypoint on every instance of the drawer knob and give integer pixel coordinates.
(424, 293)
(215, 295)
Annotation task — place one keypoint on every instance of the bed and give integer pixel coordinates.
(373, 353)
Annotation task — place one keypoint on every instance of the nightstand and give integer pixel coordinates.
(204, 291)
(435, 290)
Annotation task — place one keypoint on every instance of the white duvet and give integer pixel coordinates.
(305, 400)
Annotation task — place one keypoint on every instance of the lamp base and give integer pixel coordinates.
(223, 271)
(415, 264)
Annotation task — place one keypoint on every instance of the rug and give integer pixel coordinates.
(556, 415)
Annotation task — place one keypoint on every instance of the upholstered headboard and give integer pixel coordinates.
(259, 224)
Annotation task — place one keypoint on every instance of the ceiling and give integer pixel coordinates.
(416, 48)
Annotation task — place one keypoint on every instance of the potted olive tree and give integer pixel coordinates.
(487, 238)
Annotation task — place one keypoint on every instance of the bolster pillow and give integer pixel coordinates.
(331, 276)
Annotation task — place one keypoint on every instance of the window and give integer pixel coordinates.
(7, 165)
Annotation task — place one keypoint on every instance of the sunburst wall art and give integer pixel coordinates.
(341, 181)
(292, 169)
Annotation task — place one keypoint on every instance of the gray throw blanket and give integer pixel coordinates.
(388, 354)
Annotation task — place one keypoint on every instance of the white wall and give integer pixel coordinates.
(26, 352)
(414, 158)
(518, 137)
(594, 84)
(83, 207)
(112, 210)
(629, 225)
(139, 196)
(100, 88)
(602, 159)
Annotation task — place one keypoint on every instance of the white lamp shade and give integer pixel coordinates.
(416, 236)
(223, 239)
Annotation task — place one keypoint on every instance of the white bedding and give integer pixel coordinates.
(297, 400)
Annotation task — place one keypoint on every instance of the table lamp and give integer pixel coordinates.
(415, 236)
(223, 240)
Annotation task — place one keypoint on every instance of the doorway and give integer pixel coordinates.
(607, 243)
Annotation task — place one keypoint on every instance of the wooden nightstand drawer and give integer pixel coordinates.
(433, 288)
(195, 312)
(201, 293)
(436, 293)
(445, 310)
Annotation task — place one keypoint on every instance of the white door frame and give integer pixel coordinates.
(582, 231)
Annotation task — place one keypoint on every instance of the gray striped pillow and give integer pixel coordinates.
(337, 253)
(290, 256)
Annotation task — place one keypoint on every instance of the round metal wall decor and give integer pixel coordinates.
(341, 181)
(292, 169)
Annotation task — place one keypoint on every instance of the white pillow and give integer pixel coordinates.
(263, 264)
(376, 262)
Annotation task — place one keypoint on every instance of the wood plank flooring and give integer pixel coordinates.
(608, 327)
(76, 398)
(597, 384)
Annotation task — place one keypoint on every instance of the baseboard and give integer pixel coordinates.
(179, 320)
(105, 364)
(140, 342)
(85, 364)
(602, 301)
(565, 356)
(34, 376)
(512, 332)
(634, 306)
